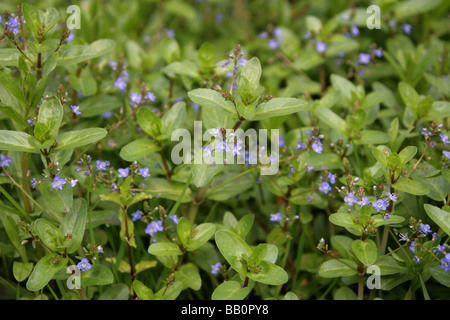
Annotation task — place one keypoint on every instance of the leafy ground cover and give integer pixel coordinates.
(224, 150)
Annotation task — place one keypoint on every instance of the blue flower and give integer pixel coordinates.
(273, 44)
(150, 96)
(300, 146)
(154, 227)
(439, 249)
(102, 165)
(425, 228)
(332, 178)
(446, 153)
(444, 138)
(275, 217)
(364, 201)
(207, 151)
(123, 173)
(317, 147)
(107, 114)
(364, 58)
(378, 52)
(4, 161)
(354, 30)
(222, 146)
(58, 182)
(100, 249)
(392, 196)
(417, 260)
(277, 32)
(114, 186)
(350, 199)
(263, 35)
(33, 183)
(76, 110)
(136, 98)
(73, 183)
(215, 267)
(411, 247)
(136, 215)
(386, 216)
(403, 237)
(174, 218)
(380, 204)
(30, 122)
(407, 28)
(144, 172)
(321, 46)
(445, 264)
(120, 84)
(84, 264)
(325, 187)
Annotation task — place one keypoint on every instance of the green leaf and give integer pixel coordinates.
(78, 138)
(407, 154)
(149, 122)
(74, 223)
(119, 291)
(269, 273)
(172, 292)
(230, 290)
(206, 57)
(173, 119)
(381, 154)
(97, 275)
(439, 216)
(44, 270)
(184, 230)
(233, 248)
(344, 220)
(85, 83)
(48, 234)
(200, 235)
(162, 188)
(410, 8)
(334, 268)
(331, 119)
(203, 173)
(212, 99)
(142, 291)
(278, 107)
(55, 199)
(12, 230)
(18, 141)
(188, 275)
(344, 293)
(31, 16)
(50, 114)
(412, 187)
(252, 73)
(365, 251)
(170, 50)
(372, 137)
(440, 275)
(343, 86)
(126, 227)
(164, 249)
(21, 270)
(244, 225)
(138, 149)
(182, 68)
(409, 96)
(78, 53)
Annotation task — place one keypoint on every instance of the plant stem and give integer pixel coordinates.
(360, 281)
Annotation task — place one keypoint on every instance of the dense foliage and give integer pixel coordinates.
(224, 150)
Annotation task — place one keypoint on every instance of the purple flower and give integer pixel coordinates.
(4, 161)
(317, 147)
(445, 263)
(263, 35)
(73, 183)
(386, 216)
(354, 30)
(242, 61)
(403, 237)
(273, 44)
(207, 151)
(439, 249)
(150, 96)
(411, 247)
(154, 227)
(380, 204)
(222, 146)
(444, 138)
(325, 187)
(378, 52)
(364, 58)
(277, 32)
(70, 38)
(136, 98)
(30, 122)
(425, 228)
(321, 46)
(114, 186)
(310, 168)
(350, 199)
(84, 264)
(58, 182)
(102, 165)
(120, 84)
(300, 146)
(364, 201)
(215, 267)
(407, 28)
(136, 215)
(332, 178)
(392, 196)
(107, 114)
(33, 183)
(144, 172)
(174, 218)
(275, 217)
(446, 153)
(123, 173)
(416, 259)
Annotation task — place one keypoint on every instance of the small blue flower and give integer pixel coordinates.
(445, 264)
(102, 165)
(123, 173)
(403, 237)
(215, 268)
(317, 147)
(425, 228)
(350, 199)
(33, 183)
(275, 217)
(386, 216)
(273, 44)
(136, 98)
(136, 215)
(114, 186)
(392, 196)
(354, 30)
(332, 178)
(150, 96)
(364, 58)
(58, 182)
(73, 183)
(30, 122)
(107, 114)
(446, 154)
(416, 259)
(100, 249)
(300, 146)
(411, 247)
(144, 172)
(407, 28)
(444, 138)
(439, 249)
(84, 264)
(154, 227)
(380, 204)
(321, 46)
(4, 161)
(378, 52)
(120, 84)
(364, 201)
(325, 187)
(174, 218)
(277, 32)
(76, 110)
